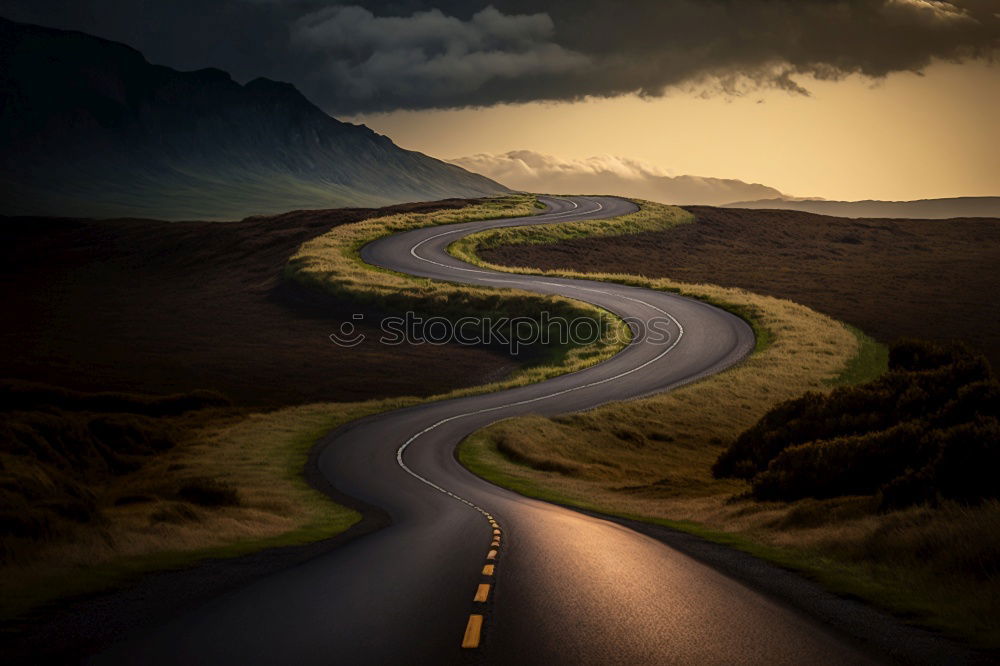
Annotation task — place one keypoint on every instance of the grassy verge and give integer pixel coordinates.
(146, 526)
(650, 460)
(871, 361)
(650, 217)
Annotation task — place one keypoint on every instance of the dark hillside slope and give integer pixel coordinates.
(89, 128)
(152, 307)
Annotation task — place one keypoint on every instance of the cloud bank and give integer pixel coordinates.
(536, 172)
(355, 56)
(429, 55)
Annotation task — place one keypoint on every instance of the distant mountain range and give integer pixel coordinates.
(607, 174)
(937, 209)
(89, 128)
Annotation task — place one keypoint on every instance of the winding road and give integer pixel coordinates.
(465, 562)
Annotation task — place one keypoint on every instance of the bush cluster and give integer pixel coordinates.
(926, 430)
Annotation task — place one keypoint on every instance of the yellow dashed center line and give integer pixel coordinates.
(472, 631)
(474, 628)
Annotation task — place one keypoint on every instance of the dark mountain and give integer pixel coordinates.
(928, 209)
(89, 128)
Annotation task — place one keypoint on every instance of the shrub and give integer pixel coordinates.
(925, 430)
(963, 469)
(858, 465)
(915, 355)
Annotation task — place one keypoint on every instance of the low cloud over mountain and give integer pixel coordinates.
(536, 172)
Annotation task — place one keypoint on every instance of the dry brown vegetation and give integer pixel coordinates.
(156, 307)
(653, 458)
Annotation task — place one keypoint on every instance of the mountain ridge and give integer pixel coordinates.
(88, 127)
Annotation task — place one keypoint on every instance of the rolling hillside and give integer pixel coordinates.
(89, 128)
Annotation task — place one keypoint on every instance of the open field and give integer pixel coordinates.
(890, 278)
(156, 307)
(652, 459)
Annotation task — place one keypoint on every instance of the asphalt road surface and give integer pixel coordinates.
(464, 561)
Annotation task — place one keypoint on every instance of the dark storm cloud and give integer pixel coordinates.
(365, 56)
(428, 55)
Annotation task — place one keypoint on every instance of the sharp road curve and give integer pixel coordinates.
(466, 562)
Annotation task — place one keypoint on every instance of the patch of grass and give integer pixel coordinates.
(477, 455)
(871, 361)
(59, 448)
(651, 216)
(241, 489)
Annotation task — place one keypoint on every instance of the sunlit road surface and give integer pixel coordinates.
(471, 573)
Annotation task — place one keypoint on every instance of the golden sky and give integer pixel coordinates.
(904, 137)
